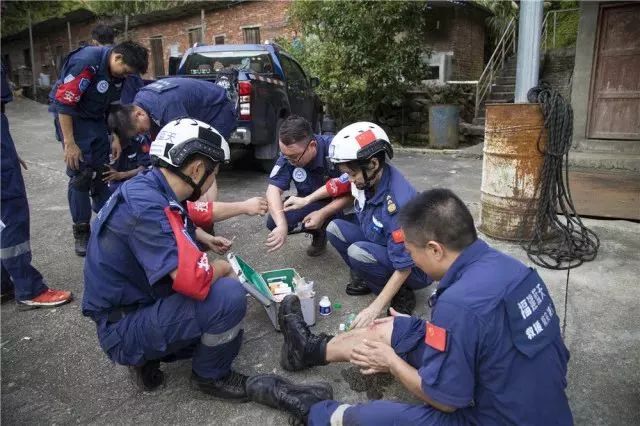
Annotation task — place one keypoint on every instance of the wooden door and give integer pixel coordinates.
(158, 56)
(615, 95)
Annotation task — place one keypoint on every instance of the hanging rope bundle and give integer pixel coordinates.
(559, 239)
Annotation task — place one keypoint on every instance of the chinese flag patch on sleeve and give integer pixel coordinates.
(436, 337)
(398, 236)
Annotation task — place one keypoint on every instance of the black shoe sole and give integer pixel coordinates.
(286, 305)
(202, 387)
(362, 292)
(321, 390)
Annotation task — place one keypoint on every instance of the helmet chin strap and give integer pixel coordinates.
(368, 179)
(197, 187)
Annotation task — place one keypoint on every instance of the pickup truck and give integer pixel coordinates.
(265, 83)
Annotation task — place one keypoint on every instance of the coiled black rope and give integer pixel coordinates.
(559, 239)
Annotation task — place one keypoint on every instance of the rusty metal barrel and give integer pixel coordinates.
(511, 169)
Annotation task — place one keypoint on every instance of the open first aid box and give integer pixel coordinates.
(263, 285)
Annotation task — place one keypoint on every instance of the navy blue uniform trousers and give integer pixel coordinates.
(15, 251)
(177, 327)
(369, 260)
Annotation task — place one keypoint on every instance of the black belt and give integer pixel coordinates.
(118, 313)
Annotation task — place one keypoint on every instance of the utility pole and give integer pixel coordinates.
(528, 60)
(33, 61)
(69, 34)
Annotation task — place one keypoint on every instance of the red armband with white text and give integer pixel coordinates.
(71, 89)
(195, 275)
(338, 186)
(201, 213)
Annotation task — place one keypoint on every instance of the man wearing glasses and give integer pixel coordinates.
(303, 160)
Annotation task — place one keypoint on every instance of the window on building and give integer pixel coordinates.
(195, 36)
(251, 35)
(219, 39)
(26, 55)
(157, 55)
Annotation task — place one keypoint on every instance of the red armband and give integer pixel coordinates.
(338, 186)
(195, 275)
(71, 89)
(201, 213)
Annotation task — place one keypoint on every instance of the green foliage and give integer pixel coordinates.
(503, 11)
(365, 52)
(15, 13)
(14, 16)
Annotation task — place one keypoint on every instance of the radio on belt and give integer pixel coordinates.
(269, 288)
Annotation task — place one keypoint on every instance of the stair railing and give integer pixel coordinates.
(551, 19)
(507, 45)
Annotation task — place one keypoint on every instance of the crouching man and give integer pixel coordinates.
(491, 353)
(154, 295)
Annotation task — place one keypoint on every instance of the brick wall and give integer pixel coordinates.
(557, 69)
(270, 17)
(461, 31)
(49, 49)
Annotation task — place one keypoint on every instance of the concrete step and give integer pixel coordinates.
(506, 80)
(511, 88)
(605, 160)
(501, 95)
(479, 121)
(606, 145)
(492, 100)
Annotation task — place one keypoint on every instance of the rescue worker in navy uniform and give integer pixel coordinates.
(90, 81)
(491, 353)
(162, 101)
(20, 280)
(303, 161)
(154, 295)
(370, 245)
(104, 35)
(134, 159)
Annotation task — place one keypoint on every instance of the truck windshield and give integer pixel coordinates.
(203, 63)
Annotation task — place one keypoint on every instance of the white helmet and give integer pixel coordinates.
(181, 138)
(359, 141)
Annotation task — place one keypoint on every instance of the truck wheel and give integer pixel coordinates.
(266, 164)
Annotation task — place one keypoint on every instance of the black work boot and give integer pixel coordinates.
(147, 377)
(301, 348)
(357, 286)
(231, 387)
(277, 392)
(81, 237)
(404, 301)
(318, 244)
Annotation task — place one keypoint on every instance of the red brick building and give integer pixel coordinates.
(166, 33)
(456, 32)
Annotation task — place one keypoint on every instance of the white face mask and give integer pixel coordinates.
(359, 195)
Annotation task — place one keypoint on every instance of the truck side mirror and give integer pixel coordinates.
(314, 81)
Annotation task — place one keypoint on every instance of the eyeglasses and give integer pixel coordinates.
(299, 156)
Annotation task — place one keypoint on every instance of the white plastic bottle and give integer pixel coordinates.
(325, 306)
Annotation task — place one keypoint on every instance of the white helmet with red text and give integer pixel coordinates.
(359, 141)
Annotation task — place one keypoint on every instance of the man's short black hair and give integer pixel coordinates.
(120, 121)
(438, 215)
(295, 129)
(134, 54)
(103, 34)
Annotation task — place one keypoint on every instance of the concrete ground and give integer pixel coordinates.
(53, 370)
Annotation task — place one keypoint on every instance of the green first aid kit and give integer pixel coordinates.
(261, 285)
